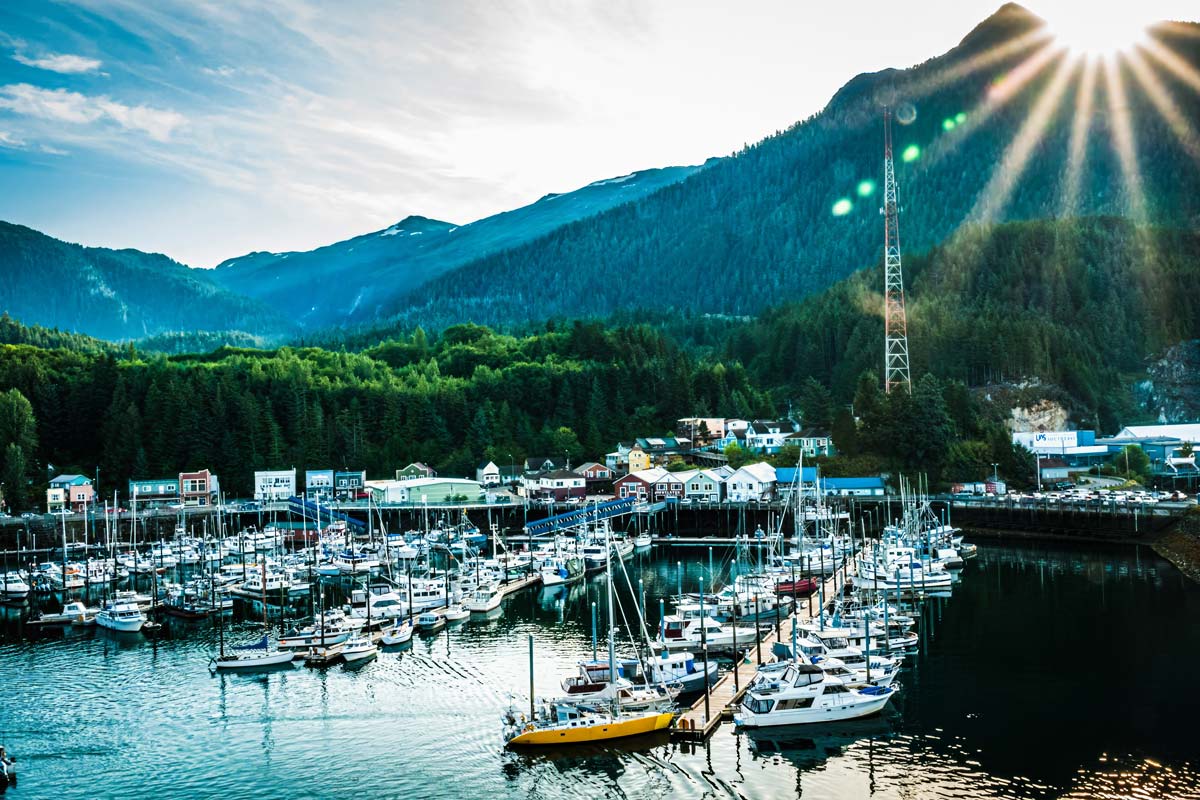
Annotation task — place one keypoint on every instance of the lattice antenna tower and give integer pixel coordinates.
(895, 365)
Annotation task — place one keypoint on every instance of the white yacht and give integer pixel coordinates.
(13, 586)
(359, 648)
(681, 634)
(484, 599)
(121, 615)
(399, 633)
(795, 693)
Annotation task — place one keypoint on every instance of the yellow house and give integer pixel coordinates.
(639, 459)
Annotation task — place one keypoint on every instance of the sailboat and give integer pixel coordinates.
(256, 655)
(571, 723)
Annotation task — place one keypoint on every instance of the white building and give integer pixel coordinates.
(751, 482)
(272, 485)
(488, 474)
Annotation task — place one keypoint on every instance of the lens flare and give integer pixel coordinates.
(948, 124)
(866, 188)
(1102, 32)
(910, 154)
(842, 207)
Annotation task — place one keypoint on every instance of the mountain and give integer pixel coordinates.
(789, 216)
(116, 294)
(1083, 305)
(355, 279)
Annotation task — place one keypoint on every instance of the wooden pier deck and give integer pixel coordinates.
(698, 722)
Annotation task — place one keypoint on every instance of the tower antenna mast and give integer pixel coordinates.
(895, 365)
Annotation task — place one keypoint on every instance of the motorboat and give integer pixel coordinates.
(569, 723)
(359, 648)
(796, 693)
(431, 621)
(400, 633)
(560, 570)
(121, 615)
(681, 634)
(322, 655)
(377, 602)
(484, 599)
(456, 613)
(14, 587)
(643, 542)
(679, 669)
(594, 684)
(75, 612)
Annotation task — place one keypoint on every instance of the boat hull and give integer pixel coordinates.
(253, 662)
(592, 733)
(810, 716)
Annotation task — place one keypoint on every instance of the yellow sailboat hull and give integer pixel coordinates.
(583, 734)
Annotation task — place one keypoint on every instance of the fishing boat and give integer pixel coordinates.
(400, 633)
(431, 621)
(795, 693)
(642, 542)
(560, 570)
(359, 648)
(567, 723)
(120, 615)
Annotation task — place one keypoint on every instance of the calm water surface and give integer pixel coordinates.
(1048, 673)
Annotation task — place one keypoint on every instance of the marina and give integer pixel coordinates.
(444, 693)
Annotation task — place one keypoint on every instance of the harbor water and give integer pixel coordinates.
(1050, 672)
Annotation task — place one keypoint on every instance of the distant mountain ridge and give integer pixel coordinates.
(792, 214)
(117, 294)
(355, 280)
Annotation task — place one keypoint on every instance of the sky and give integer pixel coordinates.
(205, 129)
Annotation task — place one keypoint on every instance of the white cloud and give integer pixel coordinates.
(64, 63)
(61, 105)
(9, 140)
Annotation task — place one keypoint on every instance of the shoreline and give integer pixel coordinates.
(1181, 545)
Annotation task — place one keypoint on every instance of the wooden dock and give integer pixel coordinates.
(706, 714)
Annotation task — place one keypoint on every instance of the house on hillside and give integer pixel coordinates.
(544, 464)
(753, 482)
(701, 431)
(812, 442)
(487, 473)
(768, 436)
(415, 470)
(556, 485)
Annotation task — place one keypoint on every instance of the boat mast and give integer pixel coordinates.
(612, 645)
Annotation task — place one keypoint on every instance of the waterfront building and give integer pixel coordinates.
(426, 491)
(350, 484)
(751, 482)
(70, 491)
(488, 473)
(274, 485)
(854, 487)
(318, 484)
(198, 488)
(154, 491)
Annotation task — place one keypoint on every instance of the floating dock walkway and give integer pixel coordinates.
(700, 721)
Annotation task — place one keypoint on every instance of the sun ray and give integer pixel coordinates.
(1003, 90)
(1085, 98)
(995, 195)
(962, 69)
(1169, 59)
(1123, 140)
(1162, 100)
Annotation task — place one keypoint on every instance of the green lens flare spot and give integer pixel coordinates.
(866, 188)
(842, 207)
(948, 124)
(911, 153)
(960, 118)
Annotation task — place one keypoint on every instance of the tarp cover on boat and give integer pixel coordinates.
(261, 644)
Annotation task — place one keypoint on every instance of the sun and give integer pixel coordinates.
(1100, 29)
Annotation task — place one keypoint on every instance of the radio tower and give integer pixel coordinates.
(895, 365)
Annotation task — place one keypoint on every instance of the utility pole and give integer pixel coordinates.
(895, 366)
